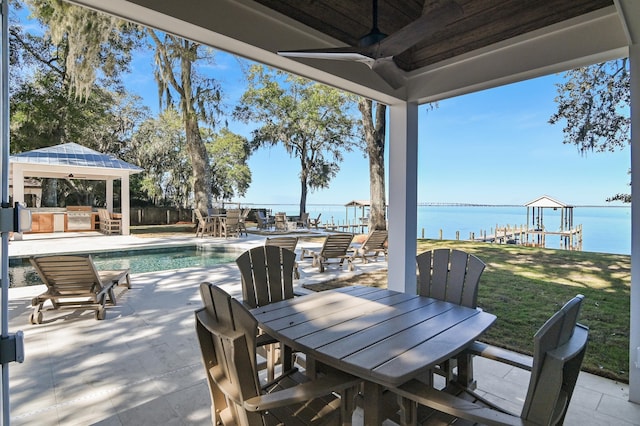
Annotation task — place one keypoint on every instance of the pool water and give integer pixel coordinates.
(21, 273)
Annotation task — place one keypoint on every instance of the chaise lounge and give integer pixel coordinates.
(73, 282)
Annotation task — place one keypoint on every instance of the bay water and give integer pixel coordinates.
(605, 229)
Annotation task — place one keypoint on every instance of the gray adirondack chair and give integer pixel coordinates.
(289, 243)
(267, 277)
(452, 276)
(226, 333)
(559, 348)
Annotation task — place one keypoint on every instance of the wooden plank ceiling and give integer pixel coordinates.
(482, 23)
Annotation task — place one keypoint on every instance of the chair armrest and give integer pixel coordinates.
(265, 339)
(301, 393)
(502, 355)
(417, 391)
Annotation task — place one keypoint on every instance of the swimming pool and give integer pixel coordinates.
(21, 273)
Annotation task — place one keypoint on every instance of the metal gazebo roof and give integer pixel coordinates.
(72, 159)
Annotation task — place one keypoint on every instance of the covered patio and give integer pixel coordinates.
(437, 53)
(485, 45)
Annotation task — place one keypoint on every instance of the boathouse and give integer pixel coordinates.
(536, 232)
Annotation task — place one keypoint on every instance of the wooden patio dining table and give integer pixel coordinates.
(384, 337)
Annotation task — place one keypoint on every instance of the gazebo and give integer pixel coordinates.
(71, 160)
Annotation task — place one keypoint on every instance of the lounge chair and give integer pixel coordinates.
(226, 333)
(73, 282)
(335, 246)
(108, 225)
(559, 347)
(315, 222)
(372, 246)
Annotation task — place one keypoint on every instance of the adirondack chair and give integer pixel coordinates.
(281, 221)
(335, 247)
(372, 246)
(303, 221)
(452, 276)
(204, 225)
(267, 277)
(559, 347)
(73, 282)
(108, 225)
(230, 226)
(289, 243)
(263, 221)
(226, 333)
(242, 223)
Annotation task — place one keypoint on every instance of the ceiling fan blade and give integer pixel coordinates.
(420, 29)
(390, 72)
(359, 54)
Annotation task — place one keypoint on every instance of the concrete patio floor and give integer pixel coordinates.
(142, 366)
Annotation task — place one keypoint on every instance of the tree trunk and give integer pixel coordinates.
(304, 187)
(374, 136)
(195, 146)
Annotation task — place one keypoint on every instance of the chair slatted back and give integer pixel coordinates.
(200, 218)
(226, 333)
(450, 275)
(289, 243)
(375, 240)
(559, 347)
(68, 275)
(267, 274)
(336, 245)
(304, 220)
(315, 222)
(281, 221)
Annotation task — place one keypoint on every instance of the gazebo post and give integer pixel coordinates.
(109, 195)
(124, 204)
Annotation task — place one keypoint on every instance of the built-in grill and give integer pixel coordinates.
(79, 218)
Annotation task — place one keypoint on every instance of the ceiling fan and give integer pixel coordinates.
(377, 49)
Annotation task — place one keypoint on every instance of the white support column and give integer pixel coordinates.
(634, 326)
(124, 205)
(17, 178)
(109, 195)
(403, 196)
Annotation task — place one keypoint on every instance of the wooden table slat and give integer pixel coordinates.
(334, 334)
(396, 344)
(437, 349)
(381, 329)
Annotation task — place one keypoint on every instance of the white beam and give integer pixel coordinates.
(634, 327)
(403, 196)
(124, 204)
(109, 195)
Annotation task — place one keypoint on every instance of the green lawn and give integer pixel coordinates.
(523, 286)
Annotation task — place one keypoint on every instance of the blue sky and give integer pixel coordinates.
(489, 147)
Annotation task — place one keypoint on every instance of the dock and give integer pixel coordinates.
(568, 239)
